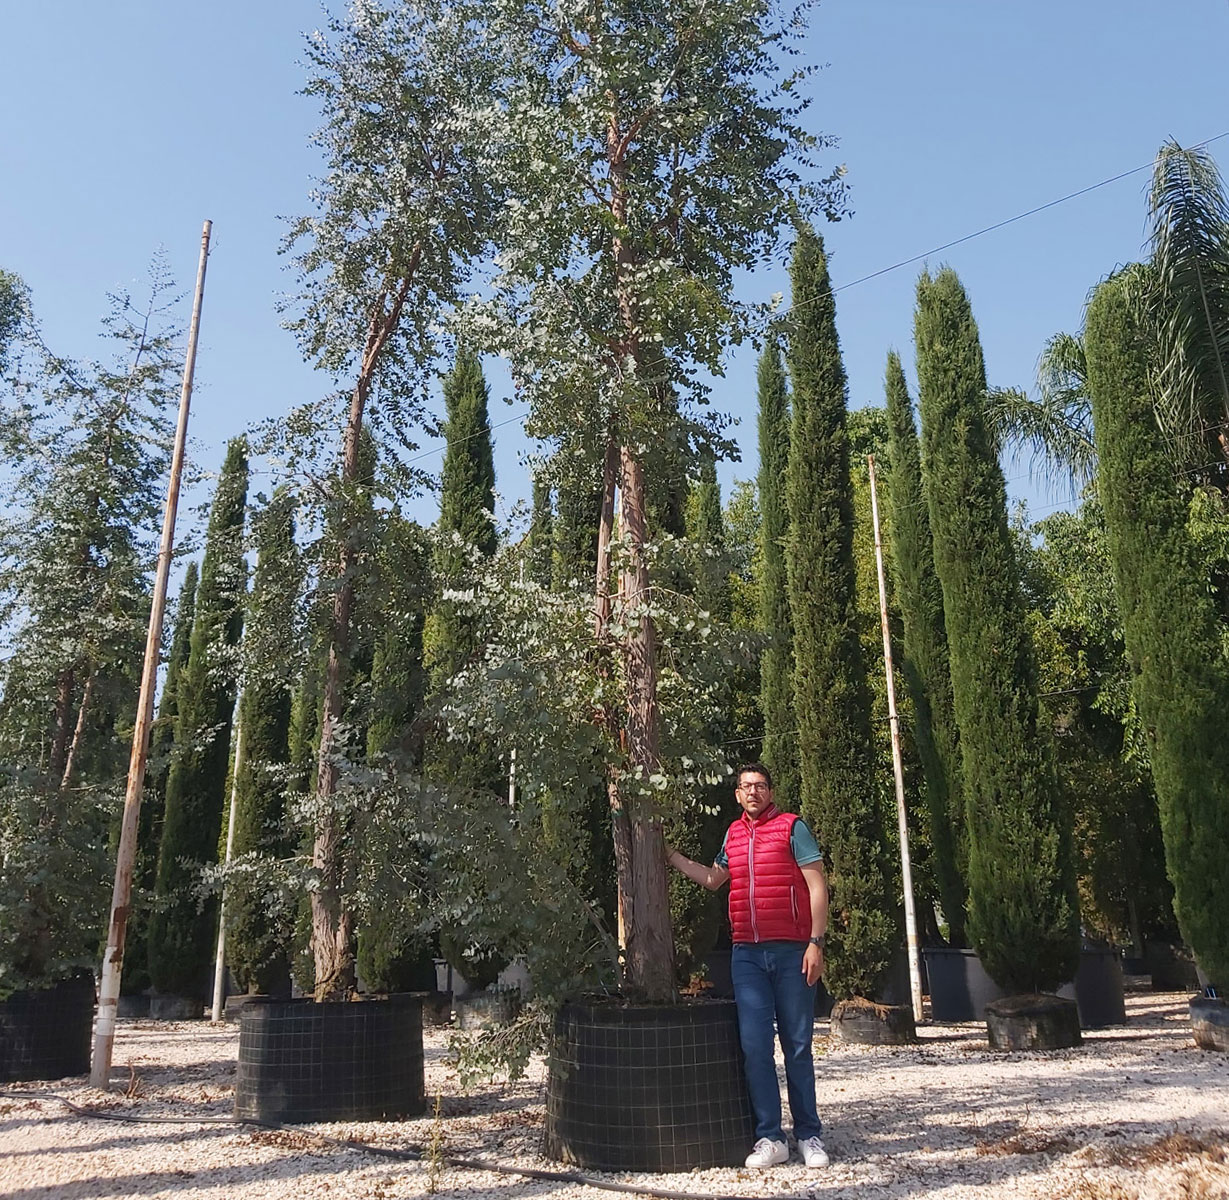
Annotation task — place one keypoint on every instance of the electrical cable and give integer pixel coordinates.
(409, 1154)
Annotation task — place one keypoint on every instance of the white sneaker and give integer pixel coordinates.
(767, 1153)
(813, 1152)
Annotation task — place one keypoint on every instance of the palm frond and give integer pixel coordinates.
(1189, 297)
(1055, 428)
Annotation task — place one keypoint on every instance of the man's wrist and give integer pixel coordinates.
(818, 940)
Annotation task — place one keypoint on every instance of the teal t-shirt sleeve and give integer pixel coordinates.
(723, 859)
(802, 842)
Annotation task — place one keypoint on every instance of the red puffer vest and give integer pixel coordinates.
(769, 900)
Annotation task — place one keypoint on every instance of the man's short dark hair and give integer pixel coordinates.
(753, 768)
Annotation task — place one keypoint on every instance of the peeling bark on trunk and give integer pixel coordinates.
(74, 748)
(332, 920)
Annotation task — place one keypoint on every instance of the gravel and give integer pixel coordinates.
(1136, 1113)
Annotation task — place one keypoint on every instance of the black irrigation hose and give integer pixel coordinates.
(408, 1155)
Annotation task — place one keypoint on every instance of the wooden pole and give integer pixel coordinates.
(121, 895)
(219, 964)
(898, 771)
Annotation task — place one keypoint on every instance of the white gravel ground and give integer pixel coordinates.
(1136, 1113)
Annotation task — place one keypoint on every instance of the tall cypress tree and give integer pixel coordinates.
(1180, 683)
(467, 505)
(924, 661)
(541, 534)
(830, 692)
(258, 944)
(181, 932)
(777, 658)
(149, 833)
(578, 507)
(706, 531)
(1023, 915)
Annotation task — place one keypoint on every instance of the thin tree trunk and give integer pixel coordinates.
(64, 688)
(621, 830)
(74, 748)
(332, 920)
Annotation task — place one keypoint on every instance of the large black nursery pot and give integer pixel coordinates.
(300, 1061)
(46, 1033)
(1210, 1022)
(647, 1087)
(960, 989)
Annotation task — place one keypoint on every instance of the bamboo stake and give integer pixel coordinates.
(898, 771)
(219, 965)
(121, 896)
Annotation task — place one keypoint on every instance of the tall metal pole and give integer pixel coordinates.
(121, 895)
(219, 965)
(898, 771)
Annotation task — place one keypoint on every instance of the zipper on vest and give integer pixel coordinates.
(755, 929)
(793, 900)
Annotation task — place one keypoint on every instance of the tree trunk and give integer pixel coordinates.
(75, 746)
(621, 830)
(64, 688)
(332, 921)
(650, 944)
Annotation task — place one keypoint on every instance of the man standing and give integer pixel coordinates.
(778, 918)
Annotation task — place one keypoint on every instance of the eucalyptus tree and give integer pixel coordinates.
(924, 660)
(1023, 915)
(1174, 641)
(409, 95)
(180, 929)
(777, 658)
(659, 151)
(831, 697)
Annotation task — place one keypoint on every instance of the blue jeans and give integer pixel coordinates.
(768, 984)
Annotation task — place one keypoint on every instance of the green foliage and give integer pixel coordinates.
(181, 929)
(1180, 682)
(923, 655)
(258, 947)
(54, 880)
(1068, 577)
(831, 699)
(777, 657)
(541, 533)
(578, 507)
(1022, 916)
(15, 314)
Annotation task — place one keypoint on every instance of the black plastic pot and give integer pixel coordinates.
(960, 989)
(647, 1087)
(1033, 1022)
(1098, 989)
(1210, 1023)
(489, 1008)
(46, 1034)
(300, 1061)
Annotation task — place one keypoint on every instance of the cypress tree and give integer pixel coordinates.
(1023, 916)
(467, 505)
(706, 531)
(1179, 679)
(149, 832)
(181, 932)
(541, 534)
(578, 507)
(830, 691)
(777, 657)
(924, 661)
(257, 942)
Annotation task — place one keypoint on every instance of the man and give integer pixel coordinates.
(778, 919)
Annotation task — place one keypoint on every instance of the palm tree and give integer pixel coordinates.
(1187, 304)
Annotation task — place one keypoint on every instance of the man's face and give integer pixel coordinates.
(753, 792)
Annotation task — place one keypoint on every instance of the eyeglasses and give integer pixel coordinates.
(755, 787)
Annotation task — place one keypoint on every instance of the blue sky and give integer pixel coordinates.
(128, 123)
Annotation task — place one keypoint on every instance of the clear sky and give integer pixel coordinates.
(127, 123)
